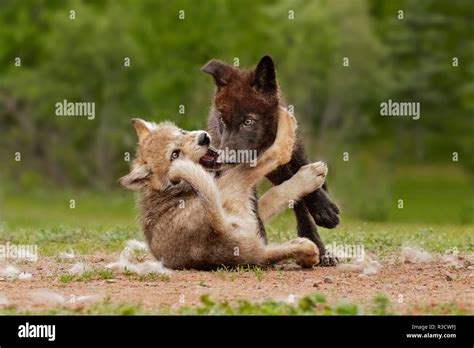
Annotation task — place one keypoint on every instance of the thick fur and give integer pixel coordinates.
(253, 96)
(192, 219)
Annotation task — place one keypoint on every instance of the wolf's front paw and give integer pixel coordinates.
(328, 261)
(326, 214)
(313, 174)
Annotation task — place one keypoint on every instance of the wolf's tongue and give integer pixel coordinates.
(207, 157)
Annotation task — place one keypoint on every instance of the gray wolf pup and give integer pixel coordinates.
(193, 220)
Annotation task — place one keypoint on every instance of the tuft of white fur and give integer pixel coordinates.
(10, 271)
(123, 264)
(415, 255)
(451, 259)
(88, 298)
(47, 297)
(79, 268)
(134, 244)
(66, 256)
(366, 265)
(25, 276)
(4, 301)
(148, 267)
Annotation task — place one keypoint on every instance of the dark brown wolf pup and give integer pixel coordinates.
(244, 116)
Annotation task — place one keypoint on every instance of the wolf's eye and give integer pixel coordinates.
(221, 120)
(248, 122)
(174, 155)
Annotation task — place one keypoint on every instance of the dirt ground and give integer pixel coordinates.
(404, 284)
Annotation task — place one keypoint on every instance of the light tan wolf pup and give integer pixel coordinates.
(192, 219)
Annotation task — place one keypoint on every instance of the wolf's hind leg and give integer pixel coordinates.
(205, 187)
(302, 250)
(306, 180)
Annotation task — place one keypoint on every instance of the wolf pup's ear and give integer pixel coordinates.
(265, 77)
(136, 178)
(142, 128)
(220, 71)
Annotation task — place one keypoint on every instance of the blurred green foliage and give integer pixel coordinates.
(82, 59)
(102, 223)
(314, 304)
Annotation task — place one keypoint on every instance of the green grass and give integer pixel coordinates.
(99, 222)
(150, 277)
(233, 272)
(45, 209)
(383, 237)
(105, 307)
(432, 194)
(96, 273)
(310, 305)
(370, 190)
(99, 225)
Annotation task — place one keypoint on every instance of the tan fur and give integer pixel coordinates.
(193, 220)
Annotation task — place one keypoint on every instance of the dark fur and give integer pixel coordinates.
(255, 91)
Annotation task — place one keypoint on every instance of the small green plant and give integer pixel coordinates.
(309, 305)
(203, 284)
(66, 278)
(234, 271)
(97, 273)
(381, 304)
(149, 277)
(314, 304)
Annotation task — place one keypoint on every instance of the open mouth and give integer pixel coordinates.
(209, 160)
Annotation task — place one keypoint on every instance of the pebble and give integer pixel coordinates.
(328, 280)
(110, 280)
(449, 277)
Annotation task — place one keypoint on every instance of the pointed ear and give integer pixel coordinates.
(265, 77)
(136, 178)
(220, 71)
(142, 127)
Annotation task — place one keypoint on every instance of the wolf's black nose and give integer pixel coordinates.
(204, 139)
